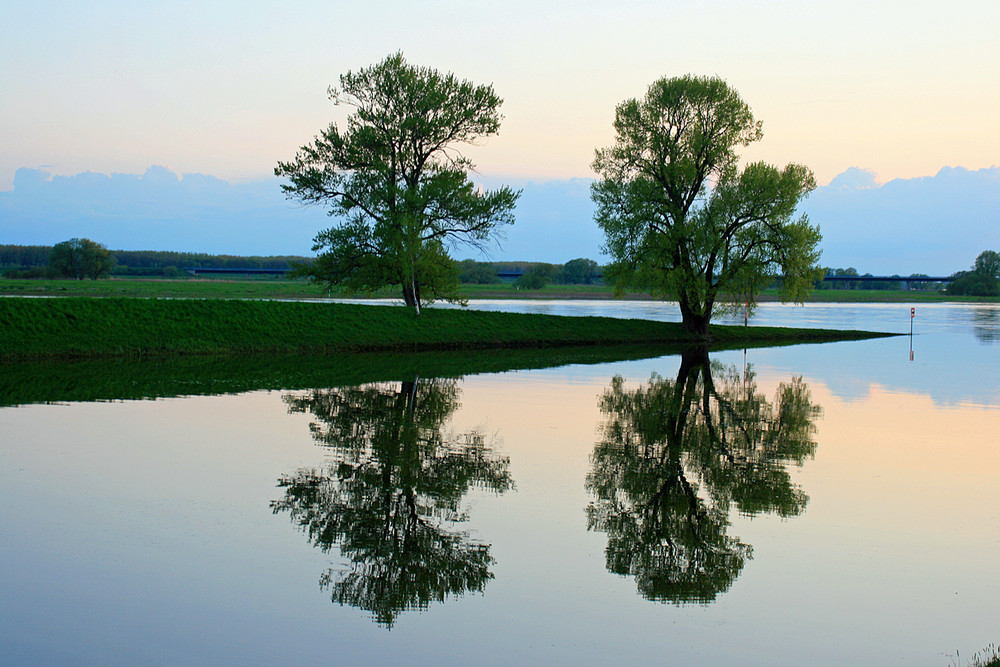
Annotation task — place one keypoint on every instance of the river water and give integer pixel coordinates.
(815, 504)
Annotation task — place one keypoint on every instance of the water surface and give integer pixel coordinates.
(821, 504)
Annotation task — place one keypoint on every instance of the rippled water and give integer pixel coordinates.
(814, 504)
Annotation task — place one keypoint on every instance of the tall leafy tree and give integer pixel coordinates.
(398, 182)
(81, 258)
(682, 220)
(676, 456)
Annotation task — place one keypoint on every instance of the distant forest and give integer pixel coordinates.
(32, 261)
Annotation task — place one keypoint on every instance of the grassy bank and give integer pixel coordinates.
(89, 327)
(190, 288)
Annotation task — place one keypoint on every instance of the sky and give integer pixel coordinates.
(899, 90)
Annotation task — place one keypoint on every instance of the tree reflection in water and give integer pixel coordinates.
(675, 455)
(392, 498)
(986, 323)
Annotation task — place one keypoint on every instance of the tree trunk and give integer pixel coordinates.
(411, 295)
(694, 322)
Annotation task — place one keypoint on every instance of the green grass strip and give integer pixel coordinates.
(109, 327)
(237, 287)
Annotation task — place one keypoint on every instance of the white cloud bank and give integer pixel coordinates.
(934, 225)
(156, 211)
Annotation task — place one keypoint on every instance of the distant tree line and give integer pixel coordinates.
(532, 275)
(912, 281)
(156, 259)
(35, 261)
(83, 258)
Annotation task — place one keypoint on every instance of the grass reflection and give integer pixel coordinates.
(202, 375)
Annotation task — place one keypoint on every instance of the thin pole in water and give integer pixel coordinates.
(913, 312)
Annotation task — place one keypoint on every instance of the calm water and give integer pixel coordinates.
(817, 504)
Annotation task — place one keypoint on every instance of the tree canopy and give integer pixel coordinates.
(682, 220)
(81, 258)
(982, 280)
(398, 182)
(988, 263)
(580, 271)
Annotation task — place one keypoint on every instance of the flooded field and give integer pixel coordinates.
(815, 504)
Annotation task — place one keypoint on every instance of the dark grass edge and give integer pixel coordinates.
(81, 328)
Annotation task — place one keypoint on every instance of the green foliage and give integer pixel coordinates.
(972, 283)
(988, 264)
(899, 284)
(477, 273)
(675, 455)
(983, 280)
(391, 500)
(147, 262)
(397, 181)
(579, 271)
(81, 258)
(536, 277)
(838, 273)
(682, 221)
(31, 273)
(159, 262)
(24, 256)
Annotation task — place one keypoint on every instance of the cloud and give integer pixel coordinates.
(934, 225)
(856, 178)
(157, 210)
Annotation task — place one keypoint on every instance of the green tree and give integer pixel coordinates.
(682, 221)
(579, 271)
(973, 283)
(391, 500)
(676, 455)
(988, 263)
(536, 276)
(477, 273)
(81, 258)
(846, 273)
(399, 184)
(982, 280)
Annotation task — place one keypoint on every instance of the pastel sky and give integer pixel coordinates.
(901, 88)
